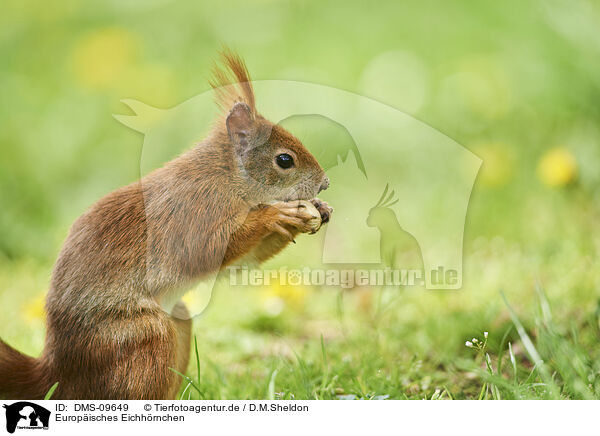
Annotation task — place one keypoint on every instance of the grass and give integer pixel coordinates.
(512, 363)
(50, 392)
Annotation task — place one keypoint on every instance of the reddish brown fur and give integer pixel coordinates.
(108, 336)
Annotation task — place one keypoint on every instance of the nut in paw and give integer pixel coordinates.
(311, 215)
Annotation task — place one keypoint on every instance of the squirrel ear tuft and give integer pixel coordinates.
(239, 124)
(231, 81)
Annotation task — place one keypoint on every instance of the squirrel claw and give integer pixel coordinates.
(324, 209)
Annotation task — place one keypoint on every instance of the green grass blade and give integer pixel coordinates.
(501, 349)
(532, 351)
(271, 388)
(184, 391)
(51, 391)
(544, 303)
(197, 358)
(190, 381)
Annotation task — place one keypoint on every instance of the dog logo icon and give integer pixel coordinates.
(26, 415)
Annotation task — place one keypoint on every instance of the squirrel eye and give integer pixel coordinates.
(284, 160)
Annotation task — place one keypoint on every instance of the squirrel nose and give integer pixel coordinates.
(325, 184)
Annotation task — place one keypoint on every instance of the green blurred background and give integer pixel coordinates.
(516, 82)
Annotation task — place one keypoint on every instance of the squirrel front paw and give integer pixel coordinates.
(323, 208)
(290, 217)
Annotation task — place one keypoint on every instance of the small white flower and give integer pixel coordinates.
(474, 340)
(469, 344)
(485, 334)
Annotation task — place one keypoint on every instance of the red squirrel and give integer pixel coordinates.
(242, 193)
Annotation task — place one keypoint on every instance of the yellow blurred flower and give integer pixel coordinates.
(34, 310)
(278, 296)
(107, 59)
(498, 163)
(557, 167)
(102, 58)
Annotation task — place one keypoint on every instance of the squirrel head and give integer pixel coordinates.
(273, 162)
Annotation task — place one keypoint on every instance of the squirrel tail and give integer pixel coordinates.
(21, 376)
